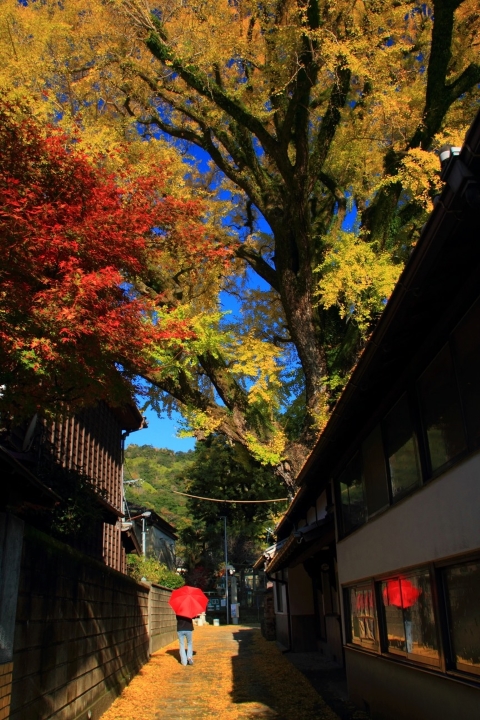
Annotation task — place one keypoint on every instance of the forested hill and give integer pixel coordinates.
(156, 472)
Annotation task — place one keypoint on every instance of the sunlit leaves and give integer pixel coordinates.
(356, 278)
(76, 243)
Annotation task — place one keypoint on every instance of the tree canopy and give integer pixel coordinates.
(75, 243)
(319, 122)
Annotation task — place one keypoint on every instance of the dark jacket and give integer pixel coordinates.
(184, 623)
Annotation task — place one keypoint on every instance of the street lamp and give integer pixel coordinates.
(143, 515)
(224, 517)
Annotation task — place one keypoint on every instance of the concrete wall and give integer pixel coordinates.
(439, 520)
(395, 691)
(81, 633)
(162, 621)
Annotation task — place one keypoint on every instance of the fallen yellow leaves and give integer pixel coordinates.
(237, 675)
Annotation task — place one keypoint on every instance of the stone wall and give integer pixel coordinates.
(81, 633)
(162, 622)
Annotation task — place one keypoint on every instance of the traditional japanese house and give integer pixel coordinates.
(378, 557)
(38, 458)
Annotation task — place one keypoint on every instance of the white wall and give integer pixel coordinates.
(440, 520)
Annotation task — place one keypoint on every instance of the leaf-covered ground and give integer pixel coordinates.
(237, 675)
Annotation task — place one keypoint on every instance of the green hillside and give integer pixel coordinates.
(150, 476)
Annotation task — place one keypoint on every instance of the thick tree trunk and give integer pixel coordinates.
(294, 263)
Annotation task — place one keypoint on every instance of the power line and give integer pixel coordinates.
(199, 497)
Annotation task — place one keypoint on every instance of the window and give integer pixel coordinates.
(466, 349)
(408, 616)
(362, 615)
(352, 499)
(462, 586)
(375, 472)
(441, 411)
(401, 448)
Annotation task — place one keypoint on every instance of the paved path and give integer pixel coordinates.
(237, 675)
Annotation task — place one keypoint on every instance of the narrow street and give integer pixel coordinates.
(237, 675)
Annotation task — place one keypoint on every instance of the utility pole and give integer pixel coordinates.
(226, 566)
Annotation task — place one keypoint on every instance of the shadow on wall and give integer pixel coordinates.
(81, 632)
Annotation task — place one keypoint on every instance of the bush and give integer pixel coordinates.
(153, 571)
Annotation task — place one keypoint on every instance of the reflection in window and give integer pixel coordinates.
(463, 596)
(362, 615)
(441, 412)
(401, 447)
(409, 618)
(352, 497)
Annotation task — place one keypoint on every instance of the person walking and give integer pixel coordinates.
(184, 632)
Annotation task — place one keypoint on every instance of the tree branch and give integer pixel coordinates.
(260, 266)
(209, 89)
(331, 119)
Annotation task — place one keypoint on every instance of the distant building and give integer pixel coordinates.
(377, 563)
(154, 536)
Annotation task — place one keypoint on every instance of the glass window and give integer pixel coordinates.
(375, 472)
(362, 615)
(441, 412)
(463, 598)
(409, 618)
(352, 498)
(466, 344)
(401, 449)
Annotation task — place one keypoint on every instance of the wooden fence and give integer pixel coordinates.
(82, 631)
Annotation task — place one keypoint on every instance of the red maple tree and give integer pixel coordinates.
(73, 241)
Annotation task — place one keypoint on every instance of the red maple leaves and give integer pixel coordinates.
(73, 242)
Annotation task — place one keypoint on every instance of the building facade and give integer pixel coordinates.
(40, 456)
(378, 558)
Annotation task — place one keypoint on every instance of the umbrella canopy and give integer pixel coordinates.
(401, 593)
(188, 601)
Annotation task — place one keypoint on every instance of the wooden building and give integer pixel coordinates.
(377, 563)
(36, 458)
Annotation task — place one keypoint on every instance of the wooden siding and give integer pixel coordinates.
(91, 443)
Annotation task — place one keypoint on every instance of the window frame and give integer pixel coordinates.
(364, 644)
(451, 664)
(446, 665)
(417, 444)
(342, 530)
(428, 472)
(404, 655)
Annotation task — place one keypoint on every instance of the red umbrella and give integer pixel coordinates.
(401, 593)
(188, 601)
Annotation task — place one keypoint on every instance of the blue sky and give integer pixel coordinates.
(161, 433)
